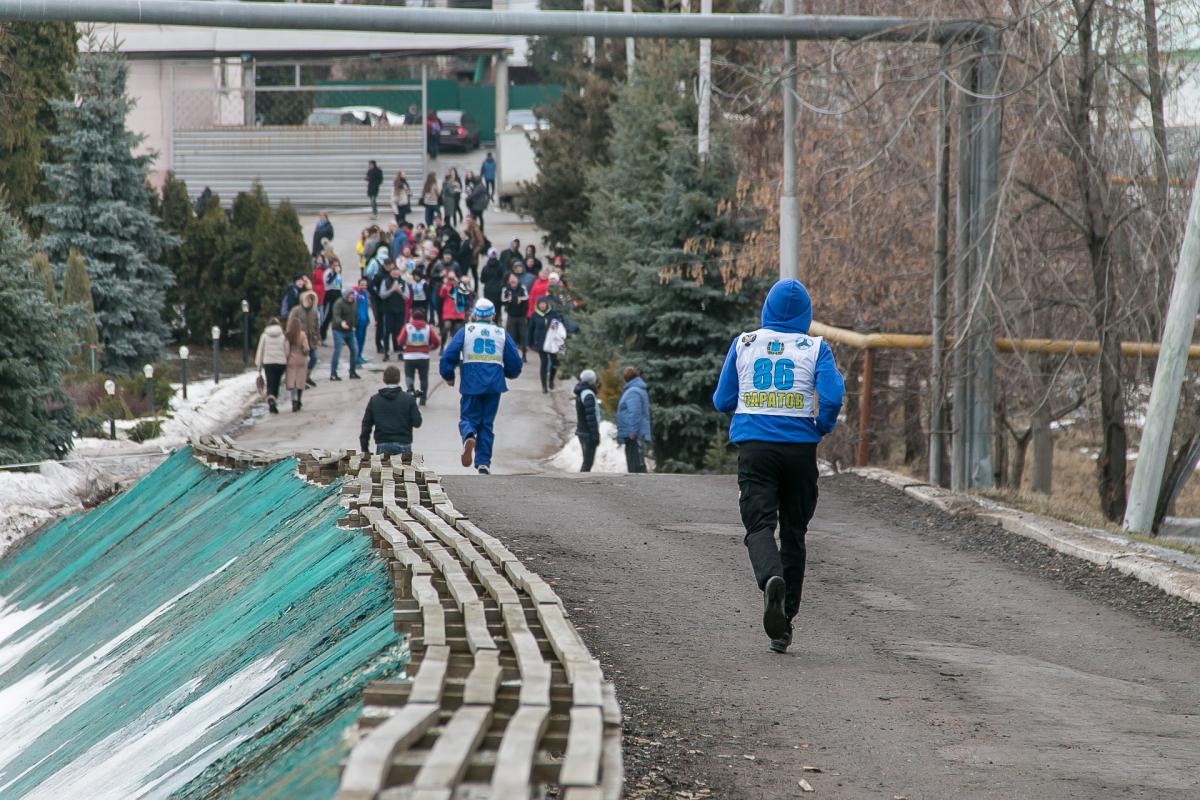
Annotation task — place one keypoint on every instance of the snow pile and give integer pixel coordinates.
(610, 456)
(95, 466)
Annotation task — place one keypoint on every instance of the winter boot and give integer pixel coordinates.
(775, 622)
(271, 406)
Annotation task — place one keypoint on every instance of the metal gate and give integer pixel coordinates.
(311, 166)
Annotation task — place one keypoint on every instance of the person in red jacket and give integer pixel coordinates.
(416, 341)
(454, 312)
(539, 289)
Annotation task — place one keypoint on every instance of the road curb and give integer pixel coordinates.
(1099, 547)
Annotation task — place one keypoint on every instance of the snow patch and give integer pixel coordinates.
(30, 499)
(610, 456)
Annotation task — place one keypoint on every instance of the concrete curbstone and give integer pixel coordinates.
(1082, 543)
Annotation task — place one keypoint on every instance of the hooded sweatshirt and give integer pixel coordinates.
(787, 310)
(393, 414)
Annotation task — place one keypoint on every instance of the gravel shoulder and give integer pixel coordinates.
(935, 657)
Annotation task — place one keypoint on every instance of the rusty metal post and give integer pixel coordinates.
(864, 409)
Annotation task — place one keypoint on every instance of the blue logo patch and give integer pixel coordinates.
(804, 343)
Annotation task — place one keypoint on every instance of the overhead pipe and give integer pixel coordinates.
(309, 16)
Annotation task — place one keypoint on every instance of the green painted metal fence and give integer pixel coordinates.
(206, 633)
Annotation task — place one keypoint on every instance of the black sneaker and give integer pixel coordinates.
(354, 376)
(484, 469)
(310, 383)
(780, 644)
(334, 378)
(271, 406)
(774, 621)
(468, 453)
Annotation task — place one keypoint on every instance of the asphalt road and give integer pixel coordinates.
(933, 658)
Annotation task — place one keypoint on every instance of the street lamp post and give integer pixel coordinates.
(245, 333)
(183, 364)
(148, 371)
(216, 337)
(110, 389)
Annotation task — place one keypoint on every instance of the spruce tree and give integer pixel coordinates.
(102, 209)
(36, 60)
(202, 257)
(278, 254)
(650, 258)
(175, 210)
(36, 416)
(77, 298)
(44, 274)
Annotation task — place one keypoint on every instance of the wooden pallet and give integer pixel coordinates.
(501, 698)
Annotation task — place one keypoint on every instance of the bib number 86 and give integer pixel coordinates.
(781, 373)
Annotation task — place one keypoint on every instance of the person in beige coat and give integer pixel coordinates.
(272, 359)
(311, 316)
(297, 358)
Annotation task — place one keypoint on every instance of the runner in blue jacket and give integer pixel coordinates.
(488, 357)
(786, 392)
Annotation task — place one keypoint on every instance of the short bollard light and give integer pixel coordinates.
(245, 333)
(183, 361)
(216, 337)
(148, 371)
(110, 389)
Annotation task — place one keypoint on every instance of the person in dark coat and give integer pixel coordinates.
(492, 278)
(539, 327)
(374, 181)
(323, 232)
(587, 417)
(477, 200)
(392, 414)
(515, 299)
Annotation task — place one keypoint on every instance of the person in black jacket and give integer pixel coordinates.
(515, 299)
(587, 417)
(393, 297)
(393, 414)
(492, 279)
(323, 232)
(374, 181)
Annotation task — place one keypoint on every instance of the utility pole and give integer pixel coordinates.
(703, 117)
(1168, 377)
(627, 7)
(789, 204)
(941, 203)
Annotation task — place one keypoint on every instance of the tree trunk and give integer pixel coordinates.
(1021, 447)
(1000, 443)
(1093, 185)
(914, 436)
(1043, 450)
(1163, 256)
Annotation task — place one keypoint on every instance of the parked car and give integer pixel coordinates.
(354, 115)
(525, 118)
(459, 129)
(334, 116)
(376, 115)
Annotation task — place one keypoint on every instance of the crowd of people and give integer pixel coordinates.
(417, 286)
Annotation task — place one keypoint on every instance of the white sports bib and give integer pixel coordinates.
(483, 344)
(777, 373)
(416, 337)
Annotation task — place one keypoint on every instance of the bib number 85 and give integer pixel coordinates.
(487, 346)
(781, 373)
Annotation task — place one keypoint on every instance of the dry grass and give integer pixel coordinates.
(1074, 498)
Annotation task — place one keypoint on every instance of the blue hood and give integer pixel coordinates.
(788, 308)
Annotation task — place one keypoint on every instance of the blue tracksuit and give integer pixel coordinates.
(481, 387)
(787, 309)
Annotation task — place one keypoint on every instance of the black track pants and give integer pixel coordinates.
(778, 484)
